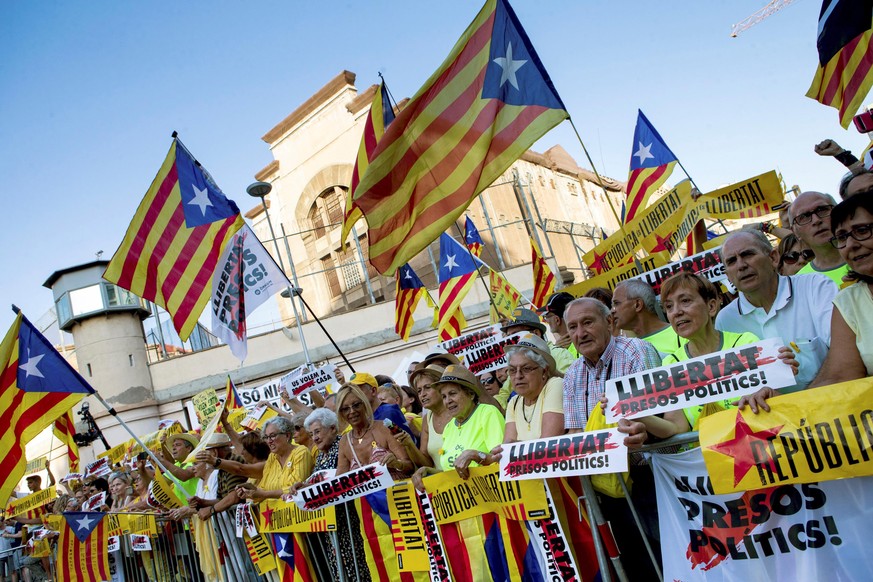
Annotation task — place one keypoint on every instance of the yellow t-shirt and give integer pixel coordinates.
(296, 469)
(529, 420)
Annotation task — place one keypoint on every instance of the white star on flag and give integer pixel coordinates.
(201, 199)
(509, 67)
(30, 367)
(450, 262)
(644, 153)
(408, 274)
(283, 553)
(85, 523)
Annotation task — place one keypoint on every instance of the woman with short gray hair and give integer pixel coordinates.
(537, 409)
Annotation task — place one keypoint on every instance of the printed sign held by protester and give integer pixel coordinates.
(586, 453)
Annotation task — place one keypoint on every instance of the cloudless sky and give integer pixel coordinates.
(91, 91)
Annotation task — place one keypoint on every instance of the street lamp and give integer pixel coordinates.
(260, 190)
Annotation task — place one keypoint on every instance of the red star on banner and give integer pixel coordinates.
(739, 448)
(597, 263)
(663, 244)
(267, 514)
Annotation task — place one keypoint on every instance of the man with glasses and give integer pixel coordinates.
(795, 308)
(811, 222)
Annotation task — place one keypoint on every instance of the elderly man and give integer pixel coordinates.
(796, 308)
(811, 222)
(634, 309)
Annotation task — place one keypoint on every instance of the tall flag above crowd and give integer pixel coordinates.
(410, 290)
(488, 103)
(65, 430)
(651, 164)
(458, 270)
(845, 56)
(37, 386)
(543, 278)
(380, 116)
(472, 238)
(175, 239)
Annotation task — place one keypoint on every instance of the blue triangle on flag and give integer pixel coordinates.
(41, 368)
(284, 547)
(82, 523)
(408, 279)
(514, 73)
(471, 233)
(649, 149)
(203, 202)
(455, 260)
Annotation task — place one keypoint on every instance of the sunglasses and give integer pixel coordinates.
(488, 381)
(792, 257)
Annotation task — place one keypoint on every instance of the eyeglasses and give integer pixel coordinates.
(806, 217)
(525, 370)
(488, 381)
(792, 257)
(274, 436)
(349, 407)
(859, 233)
(297, 427)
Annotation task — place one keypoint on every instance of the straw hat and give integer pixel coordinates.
(440, 354)
(456, 374)
(218, 440)
(435, 371)
(191, 439)
(526, 318)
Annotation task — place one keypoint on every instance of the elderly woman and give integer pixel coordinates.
(537, 410)
(368, 441)
(287, 464)
(321, 424)
(437, 417)
(301, 437)
(851, 353)
(475, 429)
(792, 255)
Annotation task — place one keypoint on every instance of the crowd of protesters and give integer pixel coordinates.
(813, 290)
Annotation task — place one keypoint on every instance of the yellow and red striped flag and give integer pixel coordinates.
(489, 101)
(504, 297)
(37, 385)
(65, 429)
(458, 270)
(380, 116)
(651, 164)
(231, 398)
(845, 53)
(410, 290)
(83, 543)
(175, 239)
(543, 279)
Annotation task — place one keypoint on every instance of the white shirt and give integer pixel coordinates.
(209, 488)
(801, 314)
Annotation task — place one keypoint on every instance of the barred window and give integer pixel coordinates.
(333, 282)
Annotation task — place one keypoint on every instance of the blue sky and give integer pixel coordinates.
(90, 93)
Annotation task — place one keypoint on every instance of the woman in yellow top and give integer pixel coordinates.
(287, 464)
(537, 409)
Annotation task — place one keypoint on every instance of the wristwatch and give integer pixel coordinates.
(217, 463)
(482, 456)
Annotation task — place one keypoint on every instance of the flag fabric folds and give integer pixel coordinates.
(380, 116)
(845, 53)
(651, 164)
(543, 279)
(504, 297)
(458, 270)
(37, 386)
(472, 238)
(83, 554)
(231, 398)
(245, 278)
(488, 102)
(174, 241)
(410, 290)
(65, 429)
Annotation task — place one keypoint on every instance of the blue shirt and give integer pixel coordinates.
(393, 413)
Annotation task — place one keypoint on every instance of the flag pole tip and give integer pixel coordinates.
(15, 309)
(175, 134)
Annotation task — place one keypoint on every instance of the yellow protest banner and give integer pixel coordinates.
(41, 549)
(163, 492)
(504, 296)
(454, 499)
(53, 521)
(142, 524)
(113, 525)
(235, 419)
(207, 432)
(277, 516)
(116, 454)
(615, 276)
(32, 501)
(123, 522)
(407, 529)
(35, 466)
(261, 553)
(806, 437)
(206, 405)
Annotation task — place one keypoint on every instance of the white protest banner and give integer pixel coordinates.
(553, 548)
(268, 392)
(140, 543)
(439, 565)
(95, 502)
(724, 375)
(346, 487)
(481, 351)
(98, 468)
(304, 379)
(584, 453)
(706, 264)
(114, 544)
(245, 277)
(812, 531)
(71, 477)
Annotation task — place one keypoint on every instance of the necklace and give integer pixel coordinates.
(361, 438)
(524, 411)
(460, 423)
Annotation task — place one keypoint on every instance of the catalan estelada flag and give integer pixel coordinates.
(845, 56)
(488, 102)
(651, 164)
(410, 290)
(380, 116)
(37, 386)
(457, 274)
(82, 547)
(175, 239)
(472, 238)
(292, 558)
(374, 522)
(543, 278)
(231, 397)
(65, 429)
